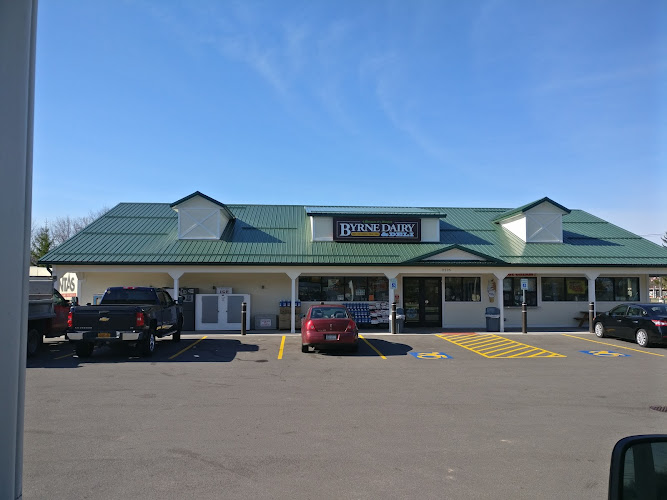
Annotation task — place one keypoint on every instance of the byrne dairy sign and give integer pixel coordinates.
(376, 229)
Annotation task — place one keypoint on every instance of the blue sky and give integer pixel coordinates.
(412, 103)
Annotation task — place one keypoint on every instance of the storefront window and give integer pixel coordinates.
(378, 289)
(310, 288)
(356, 289)
(333, 288)
(604, 289)
(463, 289)
(513, 294)
(343, 289)
(617, 289)
(564, 289)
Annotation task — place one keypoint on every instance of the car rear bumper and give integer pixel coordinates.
(118, 336)
(320, 338)
(659, 336)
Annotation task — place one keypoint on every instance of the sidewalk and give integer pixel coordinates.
(407, 331)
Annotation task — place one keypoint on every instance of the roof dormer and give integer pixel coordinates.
(201, 217)
(537, 222)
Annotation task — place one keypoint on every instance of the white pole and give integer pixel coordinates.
(17, 74)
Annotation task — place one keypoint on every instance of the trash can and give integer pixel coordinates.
(492, 319)
(400, 320)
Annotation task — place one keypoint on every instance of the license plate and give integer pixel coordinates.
(330, 337)
(104, 335)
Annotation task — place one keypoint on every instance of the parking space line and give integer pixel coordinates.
(373, 347)
(188, 347)
(614, 345)
(282, 347)
(497, 347)
(65, 356)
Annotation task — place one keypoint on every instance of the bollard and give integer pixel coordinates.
(524, 317)
(243, 318)
(393, 317)
(591, 316)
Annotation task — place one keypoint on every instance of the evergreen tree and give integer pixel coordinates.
(40, 245)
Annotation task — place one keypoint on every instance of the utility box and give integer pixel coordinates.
(492, 319)
(400, 320)
(266, 322)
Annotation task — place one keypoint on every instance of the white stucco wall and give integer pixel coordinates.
(267, 289)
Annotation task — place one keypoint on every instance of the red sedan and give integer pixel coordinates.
(329, 326)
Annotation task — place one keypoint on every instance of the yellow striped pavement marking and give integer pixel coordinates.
(497, 347)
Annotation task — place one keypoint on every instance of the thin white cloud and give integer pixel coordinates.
(601, 78)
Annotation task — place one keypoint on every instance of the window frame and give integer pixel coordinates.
(461, 292)
(565, 295)
(369, 283)
(531, 296)
(616, 281)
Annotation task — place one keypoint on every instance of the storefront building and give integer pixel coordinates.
(443, 266)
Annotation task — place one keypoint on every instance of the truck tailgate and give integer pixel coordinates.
(106, 318)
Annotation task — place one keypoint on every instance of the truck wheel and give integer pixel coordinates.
(34, 341)
(148, 344)
(84, 349)
(176, 337)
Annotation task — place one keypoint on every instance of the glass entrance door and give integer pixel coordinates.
(422, 301)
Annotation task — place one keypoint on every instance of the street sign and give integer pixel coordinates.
(524, 283)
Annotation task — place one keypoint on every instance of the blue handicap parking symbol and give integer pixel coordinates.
(430, 355)
(607, 354)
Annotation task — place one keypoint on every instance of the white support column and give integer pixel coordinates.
(80, 281)
(591, 289)
(176, 275)
(392, 296)
(644, 291)
(443, 301)
(392, 292)
(293, 276)
(500, 276)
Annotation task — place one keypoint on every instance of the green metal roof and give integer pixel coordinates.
(147, 233)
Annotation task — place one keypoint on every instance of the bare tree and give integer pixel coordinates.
(63, 228)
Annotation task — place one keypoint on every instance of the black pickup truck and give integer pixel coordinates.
(136, 315)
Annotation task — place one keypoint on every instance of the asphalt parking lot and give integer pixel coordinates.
(409, 416)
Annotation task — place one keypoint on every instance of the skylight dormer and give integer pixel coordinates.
(201, 217)
(537, 222)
